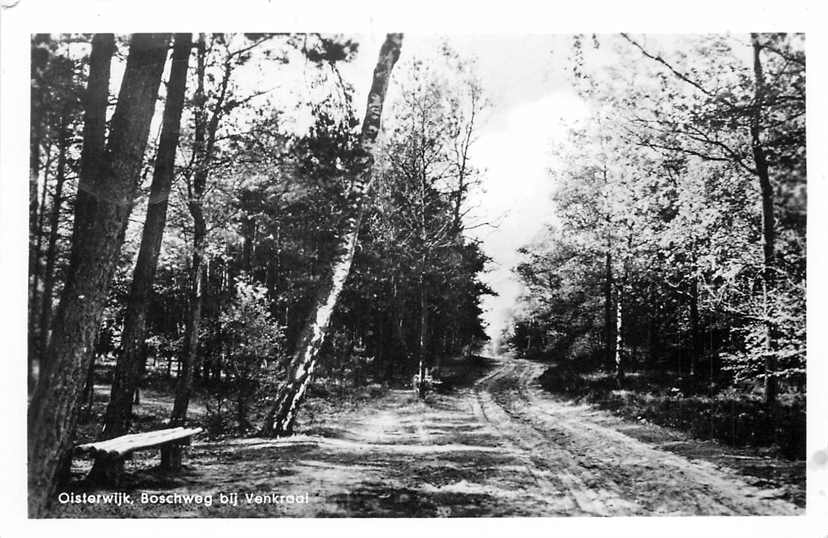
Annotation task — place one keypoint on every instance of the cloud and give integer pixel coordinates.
(516, 152)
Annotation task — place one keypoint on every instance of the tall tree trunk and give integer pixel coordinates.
(106, 191)
(619, 356)
(205, 141)
(39, 61)
(609, 328)
(609, 335)
(41, 221)
(695, 342)
(462, 154)
(282, 415)
(768, 223)
(398, 333)
(197, 278)
(51, 249)
(422, 343)
(249, 236)
(129, 367)
(171, 454)
(652, 328)
(88, 393)
(379, 347)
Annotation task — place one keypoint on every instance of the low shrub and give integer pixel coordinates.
(728, 416)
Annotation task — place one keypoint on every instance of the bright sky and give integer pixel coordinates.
(532, 104)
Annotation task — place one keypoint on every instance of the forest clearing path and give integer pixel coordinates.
(495, 446)
(605, 471)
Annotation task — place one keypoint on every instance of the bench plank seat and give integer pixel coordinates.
(121, 446)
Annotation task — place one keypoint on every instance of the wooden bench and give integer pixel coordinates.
(110, 454)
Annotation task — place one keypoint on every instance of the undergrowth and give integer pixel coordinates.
(704, 411)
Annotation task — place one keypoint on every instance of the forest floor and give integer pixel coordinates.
(491, 442)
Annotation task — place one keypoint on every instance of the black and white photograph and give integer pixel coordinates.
(367, 271)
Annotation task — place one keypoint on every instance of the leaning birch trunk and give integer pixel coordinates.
(106, 191)
(282, 415)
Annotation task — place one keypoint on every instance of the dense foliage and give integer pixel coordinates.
(679, 244)
(272, 195)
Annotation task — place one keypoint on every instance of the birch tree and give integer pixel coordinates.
(280, 420)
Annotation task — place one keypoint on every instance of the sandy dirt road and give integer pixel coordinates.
(498, 446)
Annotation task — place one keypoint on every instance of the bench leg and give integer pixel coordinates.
(171, 456)
(107, 471)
